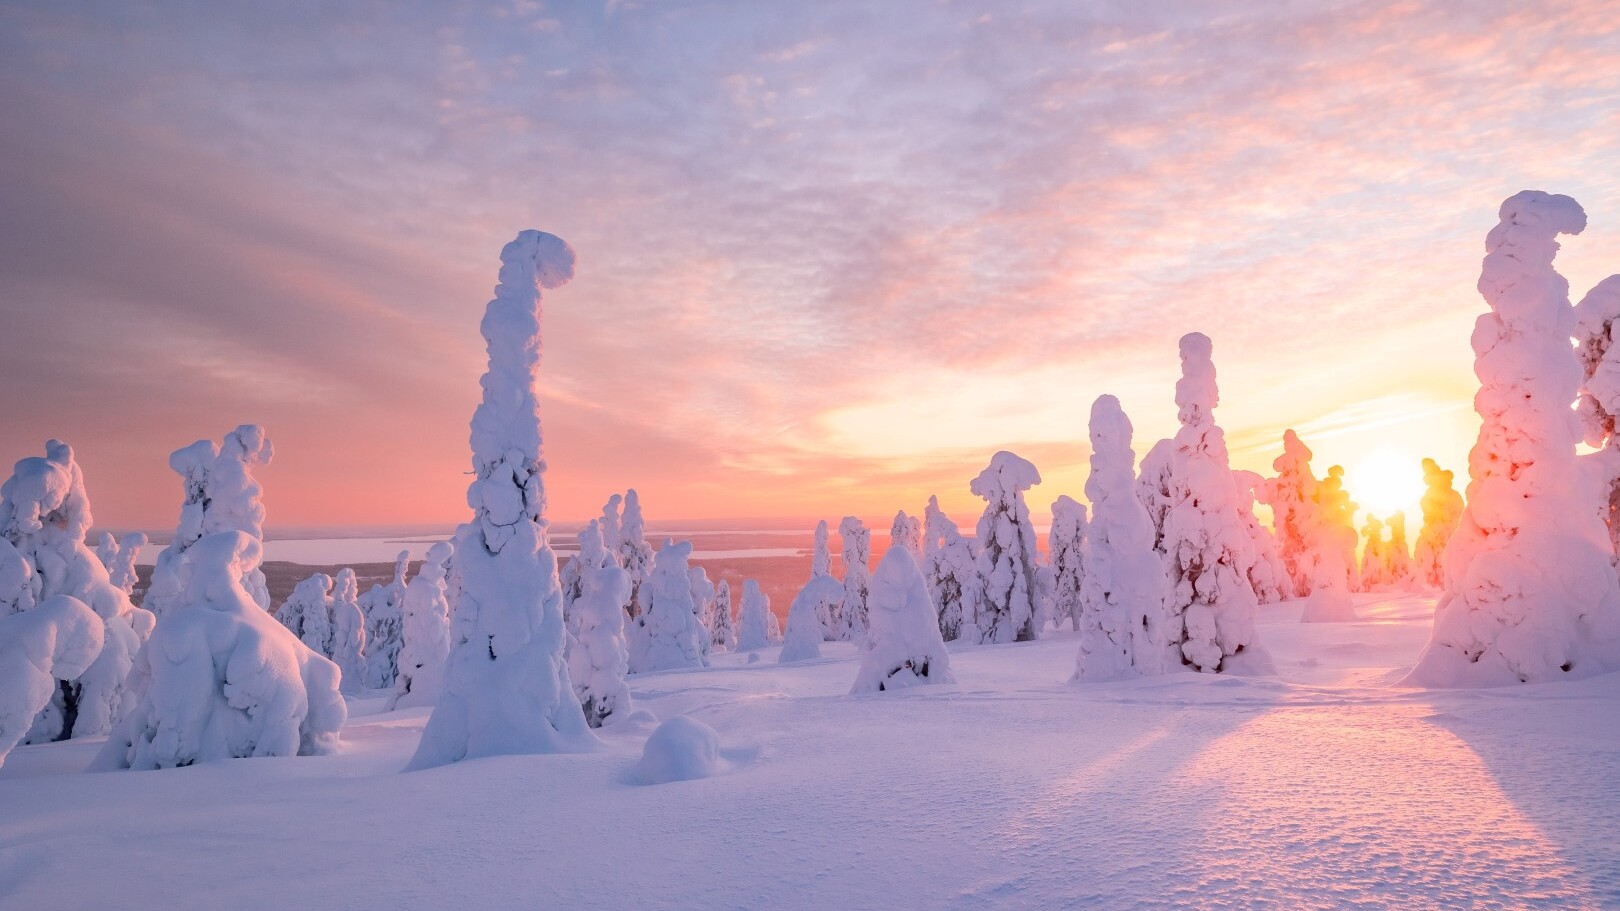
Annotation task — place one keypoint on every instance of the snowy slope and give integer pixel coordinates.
(1327, 788)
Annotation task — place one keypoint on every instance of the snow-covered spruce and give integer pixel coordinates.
(830, 613)
(856, 540)
(44, 517)
(57, 640)
(384, 607)
(1267, 574)
(1292, 498)
(593, 554)
(348, 630)
(1188, 488)
(1336, 530)
(1397, 554)
(507, 688)
(905, 646)
(426, 645)
(950, 567)
(306, 612)
(1442, 510)
(1599, 403)
(1124, 582)
(1007, 553)
(1370, 577)
(723, 634)
(756, 625)
(221, 679)
(600, 658)
(1531, 593)
(121, 572)
(906, 531)
(634, 554)
(802, 639)
(220, 495)
(703, 595)
(1065, 548)
(666, 634)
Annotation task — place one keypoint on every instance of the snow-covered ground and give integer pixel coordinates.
(1328, 786)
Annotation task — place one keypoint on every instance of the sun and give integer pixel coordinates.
(1385, 480)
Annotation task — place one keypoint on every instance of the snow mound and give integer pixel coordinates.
(681, 749)
(1328, 605)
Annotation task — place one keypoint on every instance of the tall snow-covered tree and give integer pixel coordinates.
(1373, 559)
(44, 516)
(666, 634)
(1122, 590)
(1267, 573)
(1531, 593)
(56, 640)
(1442, 510)
(724, 632)
(1397, 554)
(348, 631)
(1337, 538)
(950, 569)
(905, 648)
(600, 658)
(829, 612)
(1292, 498)
(506, 687)
(220, 678)
(703, 595)
(425, 645)
(220, 495)
(802, 639)
(906, 531)
(1007, 552)
(635, 554)
(856, 540)
(1188, 488)
(756, 625)
(384, 607)
(1065, 548)
(1599, 402)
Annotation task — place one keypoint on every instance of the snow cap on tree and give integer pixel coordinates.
(1531, 592)
(507, 688)
(906, 649)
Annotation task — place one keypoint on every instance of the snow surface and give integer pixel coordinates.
(1327, 787)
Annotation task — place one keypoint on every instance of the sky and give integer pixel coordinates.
(831, 256)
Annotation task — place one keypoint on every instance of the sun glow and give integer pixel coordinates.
(1385, 480)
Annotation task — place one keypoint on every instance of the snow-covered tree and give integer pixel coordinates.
(1188, 487)
(1292, 498)
(635, 554)
(950, 568)
(666, 634)
(1531, 593)
(600, 659)
(1599, 402)
(1267, 574)
(703, 595)
(124, 553)
(593, 554)
(802, 639)
(306, 613)
(348, 631)
(1122, 589)
(220, 678)
(611, 537)
(1007, 553)
(57, 640)
(384, 607)
(1397, 552)
(829, 613)
(856, 540)
(44, 516)
(506, 687)
(724, 631)
(1442, 510)
(1065, 548)
(905, 646)
(1373, 560)
(756, 625)
(220, 495)
(1336, 542)
(426, 645)
(906, 531)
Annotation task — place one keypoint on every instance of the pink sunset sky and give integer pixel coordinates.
(831, 256)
